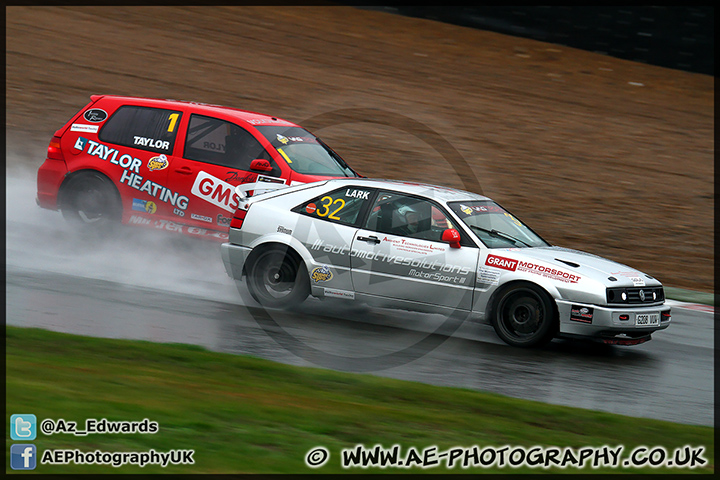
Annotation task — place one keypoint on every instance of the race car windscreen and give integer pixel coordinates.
(495, 227)
(305, 153)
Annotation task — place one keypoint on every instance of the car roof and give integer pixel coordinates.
(436, 192)
(252, 118)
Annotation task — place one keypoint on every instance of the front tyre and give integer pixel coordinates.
(524, 316)
(278, 279)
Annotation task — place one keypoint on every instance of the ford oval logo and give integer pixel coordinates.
(642, 295)
(95, 115)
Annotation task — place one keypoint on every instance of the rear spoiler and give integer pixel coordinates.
(259, 187)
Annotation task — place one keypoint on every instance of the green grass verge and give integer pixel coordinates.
(690, 296)
(243, 414)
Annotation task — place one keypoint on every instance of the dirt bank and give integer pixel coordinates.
(598, 154)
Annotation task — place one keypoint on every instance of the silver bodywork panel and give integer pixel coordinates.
(346, 261)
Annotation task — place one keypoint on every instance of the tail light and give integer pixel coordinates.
(54, 151)
(239, 216)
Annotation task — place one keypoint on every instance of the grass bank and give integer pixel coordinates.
(243, 414)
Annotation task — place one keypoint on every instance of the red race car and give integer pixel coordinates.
(173, 165)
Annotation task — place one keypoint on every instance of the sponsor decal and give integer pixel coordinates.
(95, 115)
(424, 263)
(176, 227)
(321, 274)
(130, 175)
(241, 177)
(151, 143)
(436, 276)
(479, 209)
(488, 276)
(284, 140)
(284, 230)
(635, 277)
(268, 121)
(415, 246)
(311, 207)
(215, 191)
(79, 127)
(581, 314)
(224, 221)
(158, 163)
(547, 272)
(153, 189)
(357, 194)
(266, 179)
(333, 292)
(202, 218)
(80, 143)
(501, 262)
(108, 154)
(146, 206)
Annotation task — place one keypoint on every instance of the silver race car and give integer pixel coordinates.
(434, 249)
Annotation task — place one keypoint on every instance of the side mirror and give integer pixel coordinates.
(261, 165)
(452, 237)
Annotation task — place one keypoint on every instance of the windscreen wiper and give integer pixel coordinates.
(499, 234)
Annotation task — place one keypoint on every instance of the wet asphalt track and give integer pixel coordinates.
(159, 287)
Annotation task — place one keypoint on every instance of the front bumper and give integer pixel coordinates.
(609, 323)
(234, 257)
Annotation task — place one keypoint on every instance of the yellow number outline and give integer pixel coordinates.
(326, 207)
(173, 120)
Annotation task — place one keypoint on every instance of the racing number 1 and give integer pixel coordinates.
(326, 207)
(173, 120)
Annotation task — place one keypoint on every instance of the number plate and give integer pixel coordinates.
(647, 319)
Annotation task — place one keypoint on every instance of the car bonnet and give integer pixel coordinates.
(575, 262)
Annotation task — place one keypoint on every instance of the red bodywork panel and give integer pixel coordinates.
(160, 187)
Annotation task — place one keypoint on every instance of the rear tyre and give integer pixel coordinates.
(91, 200)
(524, 316)
(278, 279)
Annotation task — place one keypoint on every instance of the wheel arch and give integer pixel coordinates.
(270, 244)
(62, 191)
(552, 295)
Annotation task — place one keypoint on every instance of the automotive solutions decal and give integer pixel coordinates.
(429, 266)
(131, 173)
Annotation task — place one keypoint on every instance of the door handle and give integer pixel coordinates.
(184, 170)
(372, 239)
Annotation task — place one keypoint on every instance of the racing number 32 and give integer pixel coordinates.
(328, 201)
